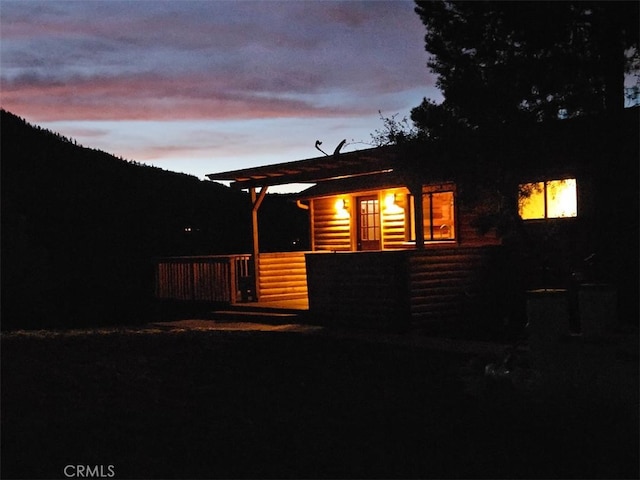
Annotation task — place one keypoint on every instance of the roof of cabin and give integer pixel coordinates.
(544, 147)
(314, 170)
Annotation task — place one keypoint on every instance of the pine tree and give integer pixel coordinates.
(502, 62)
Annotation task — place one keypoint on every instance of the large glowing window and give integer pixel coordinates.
(551, 199)
(439, 220)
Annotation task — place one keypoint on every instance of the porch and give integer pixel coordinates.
(385, 290)
(388, 248)
(231, 280)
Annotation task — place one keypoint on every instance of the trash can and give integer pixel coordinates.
(547, 324)
(548, 313)
(597, 308)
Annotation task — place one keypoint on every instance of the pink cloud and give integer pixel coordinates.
(203, 86)
(148, 97)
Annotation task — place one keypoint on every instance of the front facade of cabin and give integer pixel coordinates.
(385, 252)
(397, 247)
(385, 219)
(381, 219)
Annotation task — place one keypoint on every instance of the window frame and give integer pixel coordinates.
(427, 214)
(545, 192)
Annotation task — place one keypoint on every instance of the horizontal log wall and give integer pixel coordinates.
(331, 231)
(405, 289)
(334, 232)
(395, 221)
(364, 289)
(441, 281)
(468, 231)
(283, 276)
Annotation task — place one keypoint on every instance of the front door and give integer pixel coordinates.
(368, 223)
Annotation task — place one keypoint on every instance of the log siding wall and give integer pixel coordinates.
(334, 232)
(364, 289)
(468, 233)
(331, 232)
(404, 290)
(451, 283)
(283, 276)
(396, 224)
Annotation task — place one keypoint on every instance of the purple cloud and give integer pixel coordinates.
(311, 63)
(103, 59)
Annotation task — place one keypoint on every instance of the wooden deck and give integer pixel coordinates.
(295, 304)
(275, 312)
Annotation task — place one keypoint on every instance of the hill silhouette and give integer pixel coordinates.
(81, 228)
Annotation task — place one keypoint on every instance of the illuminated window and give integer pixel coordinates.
(550, 199)
(438, 216)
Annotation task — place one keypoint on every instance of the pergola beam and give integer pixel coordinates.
(418, 213)
(311, 176)
(256, 201)
(320, 169)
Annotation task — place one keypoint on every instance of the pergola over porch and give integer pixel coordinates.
(378, 167)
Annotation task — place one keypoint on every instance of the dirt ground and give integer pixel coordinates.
(186, 401)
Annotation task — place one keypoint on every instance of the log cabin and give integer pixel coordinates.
(408, 236)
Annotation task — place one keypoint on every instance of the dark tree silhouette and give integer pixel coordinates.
(394, 131)
(500, 62)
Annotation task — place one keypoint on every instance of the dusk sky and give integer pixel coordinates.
(206, 86)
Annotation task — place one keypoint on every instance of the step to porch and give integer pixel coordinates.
(274, 313)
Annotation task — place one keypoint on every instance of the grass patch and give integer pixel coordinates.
(212, 404)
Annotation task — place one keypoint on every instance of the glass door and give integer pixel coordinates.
(368, 223)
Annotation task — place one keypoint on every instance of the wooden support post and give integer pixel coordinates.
(418, 214)
(256, 201)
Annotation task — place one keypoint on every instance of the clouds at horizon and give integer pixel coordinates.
(212, 66)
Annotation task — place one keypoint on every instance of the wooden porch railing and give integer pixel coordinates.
(213, 278)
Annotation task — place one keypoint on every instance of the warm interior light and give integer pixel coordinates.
(552, 199)
(561, 198)
(531, 201)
